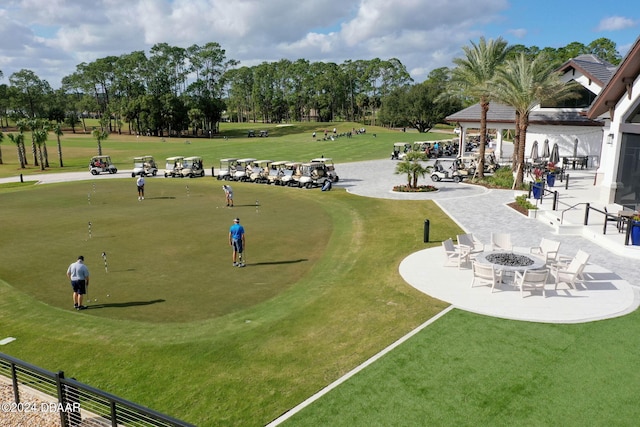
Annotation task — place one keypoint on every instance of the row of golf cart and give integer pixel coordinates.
(315, 173)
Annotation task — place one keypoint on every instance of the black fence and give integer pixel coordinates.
(76, 403)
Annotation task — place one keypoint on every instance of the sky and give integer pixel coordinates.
(51, 37)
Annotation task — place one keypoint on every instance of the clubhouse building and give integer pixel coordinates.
(600, 130)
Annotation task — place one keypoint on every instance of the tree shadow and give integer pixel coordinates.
(124, 304)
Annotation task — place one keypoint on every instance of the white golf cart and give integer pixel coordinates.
(99, 164)
(173, 167)
(243, 169)
(312, 174)
(446, 170)
(192, 167)
(291, 174)
(330, 167)
(260, 171)
(400, 150)
(276, 172)
(144, 166)
(227, 168)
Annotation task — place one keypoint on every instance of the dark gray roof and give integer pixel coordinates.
(500, 113)
(591, 66)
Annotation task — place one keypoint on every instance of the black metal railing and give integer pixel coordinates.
(74, 401)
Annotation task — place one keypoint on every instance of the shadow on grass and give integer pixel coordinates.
(125, 304)
(293, 261)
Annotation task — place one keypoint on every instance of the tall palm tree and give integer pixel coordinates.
(19, 141)
(523, 84)
(57, 130)
(39, 136)
(99, 136)
(473, 76)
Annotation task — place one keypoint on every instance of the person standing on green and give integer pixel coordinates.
(236, 241)
(78, 274)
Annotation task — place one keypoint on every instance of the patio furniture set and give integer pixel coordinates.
(498, 263)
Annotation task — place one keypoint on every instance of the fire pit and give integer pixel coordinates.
(510, 262)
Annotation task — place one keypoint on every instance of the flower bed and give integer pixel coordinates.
(418, 189)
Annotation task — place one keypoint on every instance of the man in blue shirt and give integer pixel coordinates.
(78, 273)
(236, 241)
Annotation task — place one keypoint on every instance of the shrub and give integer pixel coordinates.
(418, 189)
(522, 201)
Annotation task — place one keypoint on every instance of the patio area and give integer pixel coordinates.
(603, 295)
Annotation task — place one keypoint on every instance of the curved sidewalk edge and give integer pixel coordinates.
(604, 294)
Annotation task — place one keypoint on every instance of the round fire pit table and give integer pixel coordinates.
(510, 262)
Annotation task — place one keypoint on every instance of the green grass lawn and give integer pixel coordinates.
(183, 331)
(294, 143)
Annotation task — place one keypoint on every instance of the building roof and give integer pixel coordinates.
(619, 83)
(591, 66)
(500, 113)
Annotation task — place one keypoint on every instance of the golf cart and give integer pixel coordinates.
(446, 170)
(260, 171)
(243, 170)
(227, 168)
(144, 166)
(251, 134)
(312, 174)
(331, 169)
(276, 172)
(173, 167)
(101, 164)
(400, 150)
(264, 134)
(291, 174)
(192, 167)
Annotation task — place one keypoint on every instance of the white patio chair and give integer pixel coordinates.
(571, 273)
(454, 255)
(501, 241)
(485, 274)
(536, 279)
(468, 241)
(548, 250)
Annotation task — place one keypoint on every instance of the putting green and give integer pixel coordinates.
(168, 257)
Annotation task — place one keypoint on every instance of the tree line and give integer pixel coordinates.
(176, 91)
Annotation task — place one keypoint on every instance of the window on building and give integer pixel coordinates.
(584, 100)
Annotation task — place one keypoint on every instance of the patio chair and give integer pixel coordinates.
(473, 245)
(454, 255)
(501, 241)
(486, 274)
(548, 250)
(570, 273)
(535, 279)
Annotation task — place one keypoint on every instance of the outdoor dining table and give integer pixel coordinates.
(582, 161)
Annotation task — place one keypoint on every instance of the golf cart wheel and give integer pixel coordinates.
(457, 179)
(309, 185)
(190, 175)
(133, 175)
(435, 178)
(166, 175)
(154, 173)
(94, 172)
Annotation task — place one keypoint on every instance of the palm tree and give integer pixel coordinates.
(473, 76)
(57, 130)
(412, 167)
(23, 126)
(523, 84)
(99, 136)
(19, 141)
(39, 136)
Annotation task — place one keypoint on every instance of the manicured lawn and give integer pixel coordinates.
(294, 143)
(183, 331)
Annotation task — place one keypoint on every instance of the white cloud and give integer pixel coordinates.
(615, 23)
(518, 33)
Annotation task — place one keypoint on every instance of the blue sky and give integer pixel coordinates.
(51, 37)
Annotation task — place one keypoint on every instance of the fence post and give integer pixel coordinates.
(566, 183)
(14, 379)
(627, 233)
(586, 213)
(61, 399)
(555, 201)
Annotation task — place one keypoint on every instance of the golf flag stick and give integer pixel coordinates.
(104, 257)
